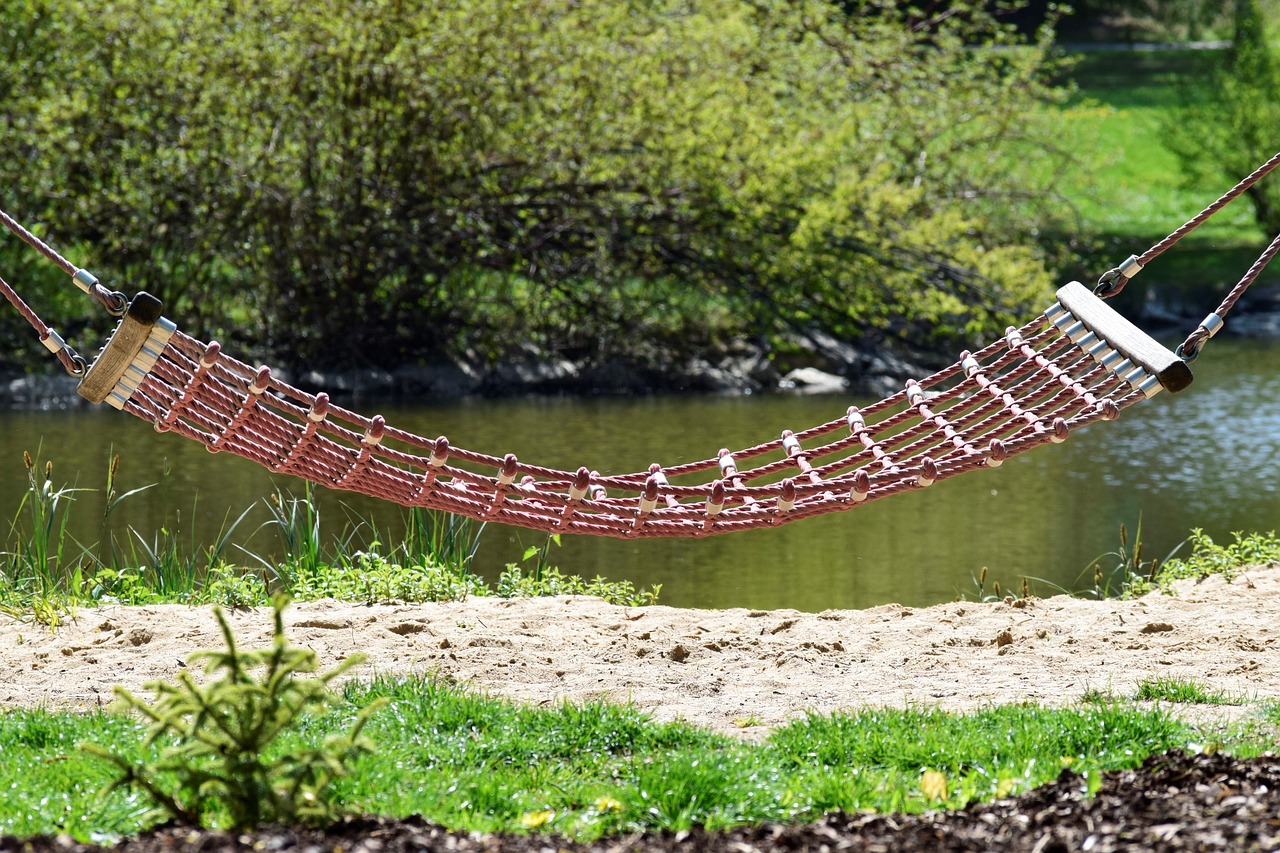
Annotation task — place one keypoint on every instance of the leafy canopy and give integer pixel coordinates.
(377, 180)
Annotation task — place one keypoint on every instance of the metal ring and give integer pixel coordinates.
(1106, 284)
(81, 366)
(1189, 357)
(121, 303)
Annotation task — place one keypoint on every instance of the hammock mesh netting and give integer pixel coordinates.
(1077, 363)
(1032, 387)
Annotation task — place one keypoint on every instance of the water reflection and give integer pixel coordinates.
(1204, 458)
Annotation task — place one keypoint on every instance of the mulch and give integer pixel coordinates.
(1173, 802)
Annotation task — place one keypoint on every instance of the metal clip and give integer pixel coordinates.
(857, 423)
(790, 443)
(581, 482)
(1107, 286)
(84, 280)
(787, 500)
(53, 342)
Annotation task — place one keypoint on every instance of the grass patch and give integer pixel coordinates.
(1124, 102)
(1184, 691)
(46, 573)
(472, 762)
(1129, 190)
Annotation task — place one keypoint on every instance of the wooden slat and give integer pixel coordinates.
(1124, 337)
(122, 348)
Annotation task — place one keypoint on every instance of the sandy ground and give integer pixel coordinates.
(735, 671)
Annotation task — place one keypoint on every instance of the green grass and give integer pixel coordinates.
(45, 572)
(472, 762)
(1184, 691)
(1124, 101)
(1128, 190)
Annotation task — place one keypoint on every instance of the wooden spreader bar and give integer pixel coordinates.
(129, 354)
(1115, 343)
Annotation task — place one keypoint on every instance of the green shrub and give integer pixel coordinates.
(216, 763)
(335, 177)
(1209, 558)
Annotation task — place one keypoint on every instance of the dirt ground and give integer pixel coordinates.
(743, 672)
(712, 668)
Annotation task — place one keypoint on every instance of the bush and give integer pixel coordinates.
(218, 761)
(1232, 130)
(374, 181)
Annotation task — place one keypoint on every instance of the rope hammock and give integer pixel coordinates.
(1076, 363)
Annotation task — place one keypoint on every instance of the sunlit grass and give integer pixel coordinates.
(46, 573)
(1125, 102)
(1185, 691)
(472, 762)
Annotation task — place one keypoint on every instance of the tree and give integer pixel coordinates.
(377, 180)
(1230, 125)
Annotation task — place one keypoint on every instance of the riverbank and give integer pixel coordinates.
(819, 364)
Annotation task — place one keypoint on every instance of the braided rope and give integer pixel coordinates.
(51, 340)
(1197, 220)
(114, 302)
(1190, 348)
(1113, 281)
(36, 243)
(1031, 388)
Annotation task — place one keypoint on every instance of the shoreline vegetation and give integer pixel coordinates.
(47, 573)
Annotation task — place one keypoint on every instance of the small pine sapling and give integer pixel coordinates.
(217, 759)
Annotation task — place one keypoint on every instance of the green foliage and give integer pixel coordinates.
(335, 177)
(514, 583)
(472, 762)
(371, 578)
(546, 579)
(1128, 574)
(44, 573)
(1209, 558)
(1233, 129)
(219, 764)
(39, 566)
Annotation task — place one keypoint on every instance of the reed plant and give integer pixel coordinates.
(443, 538)
(430, 556)
(39, 547)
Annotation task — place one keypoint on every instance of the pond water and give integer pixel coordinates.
(1208, 457)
